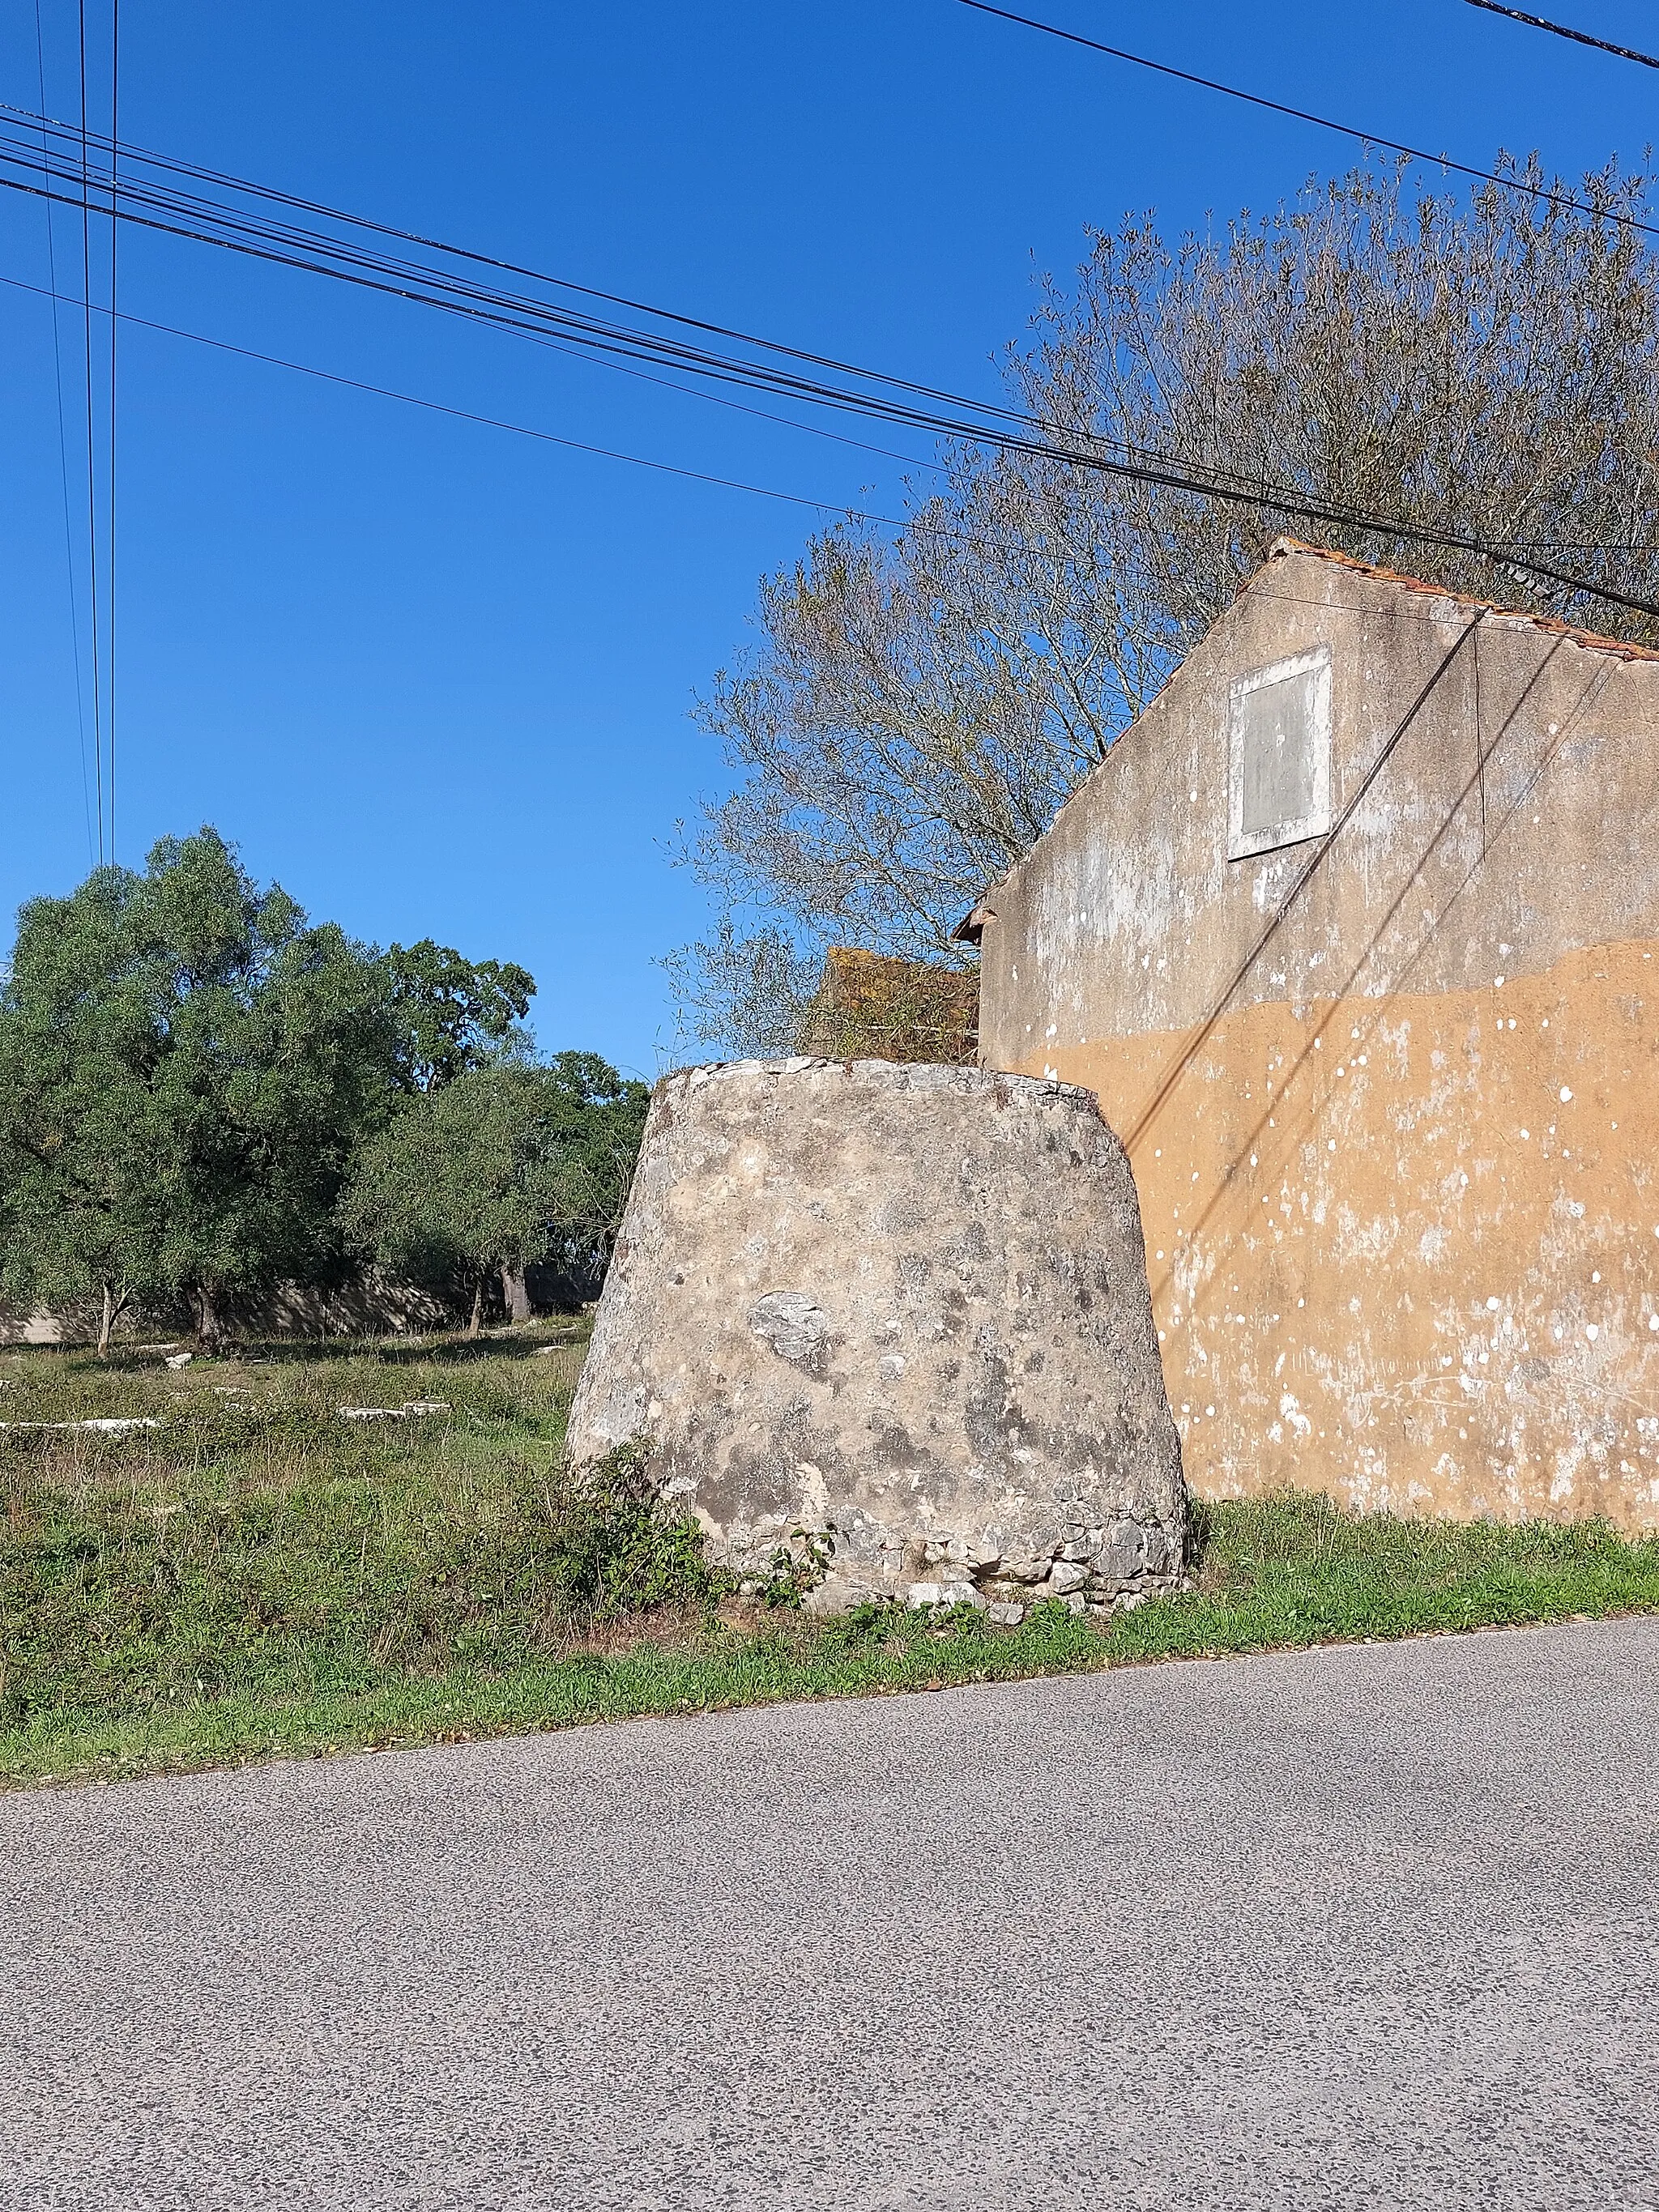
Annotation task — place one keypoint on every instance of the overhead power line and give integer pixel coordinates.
(63, 471)
(300, 238)
(114, 326)
(91, 445)
(1518, 554)
(516, 301)
(217, 222)
(642, 461)
(211, 219)
(1561, 31)
(142, 191)
(494, 422)
(1566, 200)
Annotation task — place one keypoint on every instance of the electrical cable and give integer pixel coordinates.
(170, 165)
(62, 470)
(550, 327)
(114, 326)
(284, 246)
(1322, 122)
(91, 496)
(1234, 487)
(1561, 31)
(760, 413)
(1499, 551)
(519, 429)
(289, 246)
(293, 236)
(637, 461)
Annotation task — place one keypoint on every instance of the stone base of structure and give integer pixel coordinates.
(905, 1308)
(1090, 1570)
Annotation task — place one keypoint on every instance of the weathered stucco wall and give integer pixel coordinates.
(907, 1302)
(1393, 1126)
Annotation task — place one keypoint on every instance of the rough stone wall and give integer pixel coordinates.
(908, 1302)
(1394, 1140)
(870, 1005)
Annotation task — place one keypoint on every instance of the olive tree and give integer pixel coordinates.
(452, 1013)
(186, 1065)
(479, 1177)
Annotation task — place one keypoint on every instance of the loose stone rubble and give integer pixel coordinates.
(105, 1426)
(1090, 1569)
(905, 1304)
(412, 1410)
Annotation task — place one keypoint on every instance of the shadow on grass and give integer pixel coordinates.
(460, 1350)
(386, 1350)
(456, 1350)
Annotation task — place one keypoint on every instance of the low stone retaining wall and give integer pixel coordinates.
(907, 1304)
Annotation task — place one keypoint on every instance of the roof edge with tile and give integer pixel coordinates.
(1590, 639)
(967, 930)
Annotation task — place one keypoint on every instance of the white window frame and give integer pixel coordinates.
(1317, 821)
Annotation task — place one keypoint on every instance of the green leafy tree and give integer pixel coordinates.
(186, 1067)
(452, 1013)
(483, 1175)
(80, 1213)
(599, 1121)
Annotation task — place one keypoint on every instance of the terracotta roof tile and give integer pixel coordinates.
(1552, 623)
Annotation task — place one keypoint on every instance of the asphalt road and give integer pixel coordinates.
(1355, 1927)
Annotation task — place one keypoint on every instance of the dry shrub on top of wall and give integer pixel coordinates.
(871, 1005)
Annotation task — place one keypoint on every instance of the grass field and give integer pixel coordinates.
(256, 1575)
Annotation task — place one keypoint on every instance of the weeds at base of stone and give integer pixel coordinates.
(791, 1574)
(877, 1649)
(263, 1581)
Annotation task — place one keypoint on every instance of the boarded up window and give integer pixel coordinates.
(1279, 755)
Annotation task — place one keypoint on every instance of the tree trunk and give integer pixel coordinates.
(210, 1328)
(106, 1319)
(476, 1324)
(515, 1291)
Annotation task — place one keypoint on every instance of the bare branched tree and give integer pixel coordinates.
(920, 704)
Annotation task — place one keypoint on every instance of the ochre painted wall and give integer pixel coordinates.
(1395, 1141)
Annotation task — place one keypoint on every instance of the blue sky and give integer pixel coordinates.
(436, 678)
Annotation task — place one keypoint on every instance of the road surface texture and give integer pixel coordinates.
(1363, 1927)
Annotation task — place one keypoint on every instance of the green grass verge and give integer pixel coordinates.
(260, 1578)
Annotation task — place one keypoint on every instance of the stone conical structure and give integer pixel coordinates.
(906, 1304)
